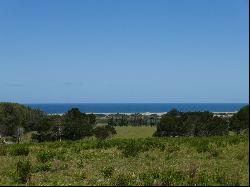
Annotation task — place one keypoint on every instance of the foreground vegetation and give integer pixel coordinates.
(182, 149)
(218, 160)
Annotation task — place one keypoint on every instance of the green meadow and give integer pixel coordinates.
(131, 157)
(127, 132)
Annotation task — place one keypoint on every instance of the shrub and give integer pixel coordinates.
(103, 132)
(111, 129)
(80, 163)
(122, 180)
(131, 149)
(45, 156)
(193, 169)
(107, 171)
(202, 180)
(222, 178)
(172, 148)
(155, 174)
(192, 172)
(244, 132)
(172, 177)
(169, 157)
(44, 136)
(219, 176)
(234, 140)
(19, 150)
(42, 167)
(3, 150)
(146, 178)
(214, 152)
(60, 154)
(202, 146)
(23, 171)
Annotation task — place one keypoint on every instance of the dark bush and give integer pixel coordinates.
(240, 120)
(45, 156)
(23, 171)
(3, 150)
(44, 136)
(213, 151)
(202, 145)
(103, 132)
(42, 167)
(111, 129)
(107, 171)
(19, 150)
(131, 149)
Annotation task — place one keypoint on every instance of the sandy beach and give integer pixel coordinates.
(146, 113)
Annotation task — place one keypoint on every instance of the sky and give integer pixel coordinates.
(124, 51)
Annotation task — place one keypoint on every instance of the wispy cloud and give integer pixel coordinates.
(13, 84)
(68, 83)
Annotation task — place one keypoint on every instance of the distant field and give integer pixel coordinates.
(134, 132)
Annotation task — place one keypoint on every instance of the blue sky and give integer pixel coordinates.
(124, 51)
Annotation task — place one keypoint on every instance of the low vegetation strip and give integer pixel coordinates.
(221, 160)
(145, 143)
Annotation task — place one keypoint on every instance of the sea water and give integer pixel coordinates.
(137, 107)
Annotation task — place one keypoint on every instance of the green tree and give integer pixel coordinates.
(240, 120)
(92, 119)
(14, 116)
(76, 125)
(176, 123)
(201, 123)
(217, 126)
(168, 124)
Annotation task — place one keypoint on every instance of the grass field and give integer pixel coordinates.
(122, 160)
(134, 132)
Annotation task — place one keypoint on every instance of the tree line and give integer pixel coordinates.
(16, 119)
(136, 119)
(176, 123)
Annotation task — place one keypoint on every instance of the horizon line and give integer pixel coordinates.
(135, 103)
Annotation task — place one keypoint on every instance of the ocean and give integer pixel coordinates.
(137, 107)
